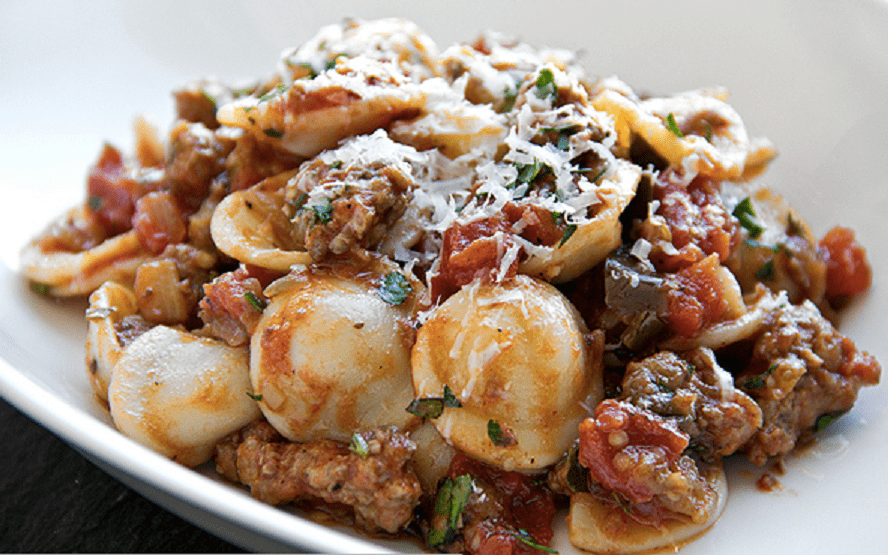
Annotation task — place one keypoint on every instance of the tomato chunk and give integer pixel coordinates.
(622, 443)
(848, 272)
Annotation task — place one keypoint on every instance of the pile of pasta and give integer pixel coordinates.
(450, 291)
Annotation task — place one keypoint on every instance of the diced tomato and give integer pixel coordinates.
(695, 298)
(699, 223)
(111, 194)
(528, 506)
(159, 221)
(847, 270)
(859, 364)
(617, 426)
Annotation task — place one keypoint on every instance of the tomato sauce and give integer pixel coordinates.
(695, 298)
(616, 426)
(528, 506)
(699, 223)
(848, 272)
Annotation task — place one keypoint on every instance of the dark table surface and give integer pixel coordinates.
(54, 500)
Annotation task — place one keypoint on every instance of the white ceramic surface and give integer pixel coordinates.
(810, 75)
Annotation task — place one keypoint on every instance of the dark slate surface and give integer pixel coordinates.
(54, 500)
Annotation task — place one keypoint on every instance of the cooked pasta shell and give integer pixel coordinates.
(107, 306)
(331, 354)
(356, 97)
(68, 273)
(592, 241)
(179, 394)
(696, 130)
(252, 227)
(516, 358)
(599, 527)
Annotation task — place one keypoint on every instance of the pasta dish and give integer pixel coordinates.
(448, 292)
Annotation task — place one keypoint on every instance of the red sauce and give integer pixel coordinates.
(699, 224)
(695, 297)
(111, 193)
(528, 506)
(159, 221)
(847, 270)
(470, 251)
(642, 430)
(859, 364)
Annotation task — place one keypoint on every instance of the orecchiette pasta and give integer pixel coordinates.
(453, 289)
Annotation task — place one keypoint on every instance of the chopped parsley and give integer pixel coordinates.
(524, 537)
(664, 387)
(744, 214)
(500, 435)
(210, 98)
(256, 302)
(527, 173)
(332, 63)
(39, 288)
(509, 97)
(273, 93)
(94, 202)
(395, 288)
(300, 201)
(254, 397)
(825, 420)
(453, 494)
(568, 233)
(359, 445)
(273, 133)
(672, 126)
(336, 165)
(545, 85)
(622, 503)
(766, 272)
(433, 407)
(708, 132)
(758, 382)
(323, 212)
(793, 227)
(756, 245)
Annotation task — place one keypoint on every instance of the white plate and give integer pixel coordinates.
(812, 76)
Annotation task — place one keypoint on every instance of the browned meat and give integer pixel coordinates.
(347, 208)
(699, 395)
(803, 374)
(251, 161)
(232, 306)
(378, 484)
(196, 156)
(196, 106)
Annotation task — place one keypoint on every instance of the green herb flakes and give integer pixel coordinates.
(395, 288)
(359, 445)
(568, 233)
(254, 397)
(744, 214)
(672, 126)
(323, 212)
(273, 133)
(256, 302)
(451, 500)
(766, 272)
(545, 85)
